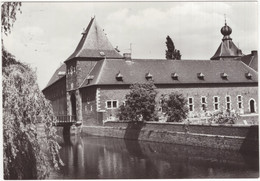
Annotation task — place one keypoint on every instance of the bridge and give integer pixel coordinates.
(64, 120)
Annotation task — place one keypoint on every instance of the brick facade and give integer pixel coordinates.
(247, 93)
(89, 106)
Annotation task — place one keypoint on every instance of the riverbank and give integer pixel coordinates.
(232, 137)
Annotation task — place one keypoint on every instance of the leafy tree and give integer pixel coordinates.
(175, 107)
(30, 149)
(8, 15)
(171, 52)
(140, 103)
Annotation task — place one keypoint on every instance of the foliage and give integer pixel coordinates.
(140, 103)
(8, 59)
(175, 107)
(171, 52)
(224, 117)
(28, 150)
(8, 15)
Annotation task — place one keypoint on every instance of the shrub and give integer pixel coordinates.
(175, 107)
(224, 117)
(140, 103)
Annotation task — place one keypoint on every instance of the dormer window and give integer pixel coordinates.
(200, 75)
(148, 76)
(248, 75)
(102, 54)
(90, 78)
(174, 76)
(224, 75)
(61, 74)
(119, 76)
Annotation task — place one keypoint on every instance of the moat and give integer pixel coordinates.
(111, 158)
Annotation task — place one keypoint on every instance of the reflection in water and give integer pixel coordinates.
(98, 157)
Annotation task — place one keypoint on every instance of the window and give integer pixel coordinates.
(88, 107)
(228, 102)
(203, 103)
(216, 103)
(111, 104)
(252, 106)
(190, 104)
(239, 102)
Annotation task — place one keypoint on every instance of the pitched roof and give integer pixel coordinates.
(227, 49)
(94, 44)
(55, 77)
(251, 60)
(104, 73)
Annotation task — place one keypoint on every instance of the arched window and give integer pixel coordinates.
(252, 106)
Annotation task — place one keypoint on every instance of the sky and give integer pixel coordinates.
(47, 33)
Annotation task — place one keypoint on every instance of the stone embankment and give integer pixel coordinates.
(233, 137)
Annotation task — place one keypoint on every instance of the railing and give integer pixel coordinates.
(66, 119)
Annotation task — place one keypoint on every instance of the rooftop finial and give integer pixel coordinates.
(225, 19)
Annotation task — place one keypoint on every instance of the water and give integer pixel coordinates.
(109, 158)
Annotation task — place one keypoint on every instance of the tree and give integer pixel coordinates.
(140, 103)
(175, 107)
(171, 52)
(8, 15)
(30, 149)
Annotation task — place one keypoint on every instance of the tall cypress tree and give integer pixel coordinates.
(171, 52)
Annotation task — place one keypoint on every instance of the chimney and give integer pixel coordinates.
(127, 56)
(254, 52)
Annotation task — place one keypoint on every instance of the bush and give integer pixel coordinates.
(224, 117)
(140, 103)
(175, 107)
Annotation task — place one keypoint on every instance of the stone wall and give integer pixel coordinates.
(244, 138)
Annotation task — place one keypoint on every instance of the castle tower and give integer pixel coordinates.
(227, 49)
(93, 47)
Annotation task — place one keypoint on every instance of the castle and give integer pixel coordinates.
(93, 81)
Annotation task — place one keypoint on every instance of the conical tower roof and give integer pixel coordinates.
(227, 49)
(94, 44)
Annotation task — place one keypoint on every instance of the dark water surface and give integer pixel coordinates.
(108, 158)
